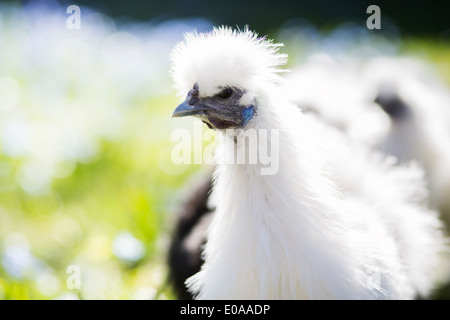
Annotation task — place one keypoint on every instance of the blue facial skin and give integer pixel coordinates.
(247, 114)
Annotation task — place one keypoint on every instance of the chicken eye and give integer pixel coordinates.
(225, 93)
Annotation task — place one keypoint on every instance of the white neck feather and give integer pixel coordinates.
(278, 236)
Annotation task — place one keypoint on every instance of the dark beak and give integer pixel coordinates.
(393, 104)
(214, 111)
(185, 109)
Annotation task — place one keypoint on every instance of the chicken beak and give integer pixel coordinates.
(185, 109)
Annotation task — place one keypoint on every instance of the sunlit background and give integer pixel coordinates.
(86, 177)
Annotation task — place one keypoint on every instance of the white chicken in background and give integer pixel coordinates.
(394, 105)
(418, 106)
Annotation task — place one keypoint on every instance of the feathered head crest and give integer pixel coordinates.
(224, 57)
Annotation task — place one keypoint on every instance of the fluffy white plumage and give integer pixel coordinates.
(422, 135)
(336, 93)
(335, 222)
(196, 61)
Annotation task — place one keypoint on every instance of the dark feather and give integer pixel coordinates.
(185, 257)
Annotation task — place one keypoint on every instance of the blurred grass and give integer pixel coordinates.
(122, 189)
(128, 186)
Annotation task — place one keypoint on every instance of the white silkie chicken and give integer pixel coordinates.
(418, 108)
(329, 221)
(396, 105)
